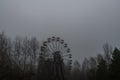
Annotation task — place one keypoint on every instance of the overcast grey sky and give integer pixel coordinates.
(84, 24)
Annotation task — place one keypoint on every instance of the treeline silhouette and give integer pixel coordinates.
(20, 60)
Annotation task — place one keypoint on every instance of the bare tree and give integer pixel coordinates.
(76, 72)
(85, 68)
(107, 53)
(17, 51)
(25, 54)
(92, 68)
(34, 47)
(5, 59)
(99, 58)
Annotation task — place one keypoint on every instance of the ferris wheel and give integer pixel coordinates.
(56, 49)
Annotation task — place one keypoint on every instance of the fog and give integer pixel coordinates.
(84, 24)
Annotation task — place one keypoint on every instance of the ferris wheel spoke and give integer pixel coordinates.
(49, 48)
(64, 51)
(67, 55)
(52, 46)
(56, 46)
(66, 59)
(55, 43)
(59, 46)
(48, 52)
